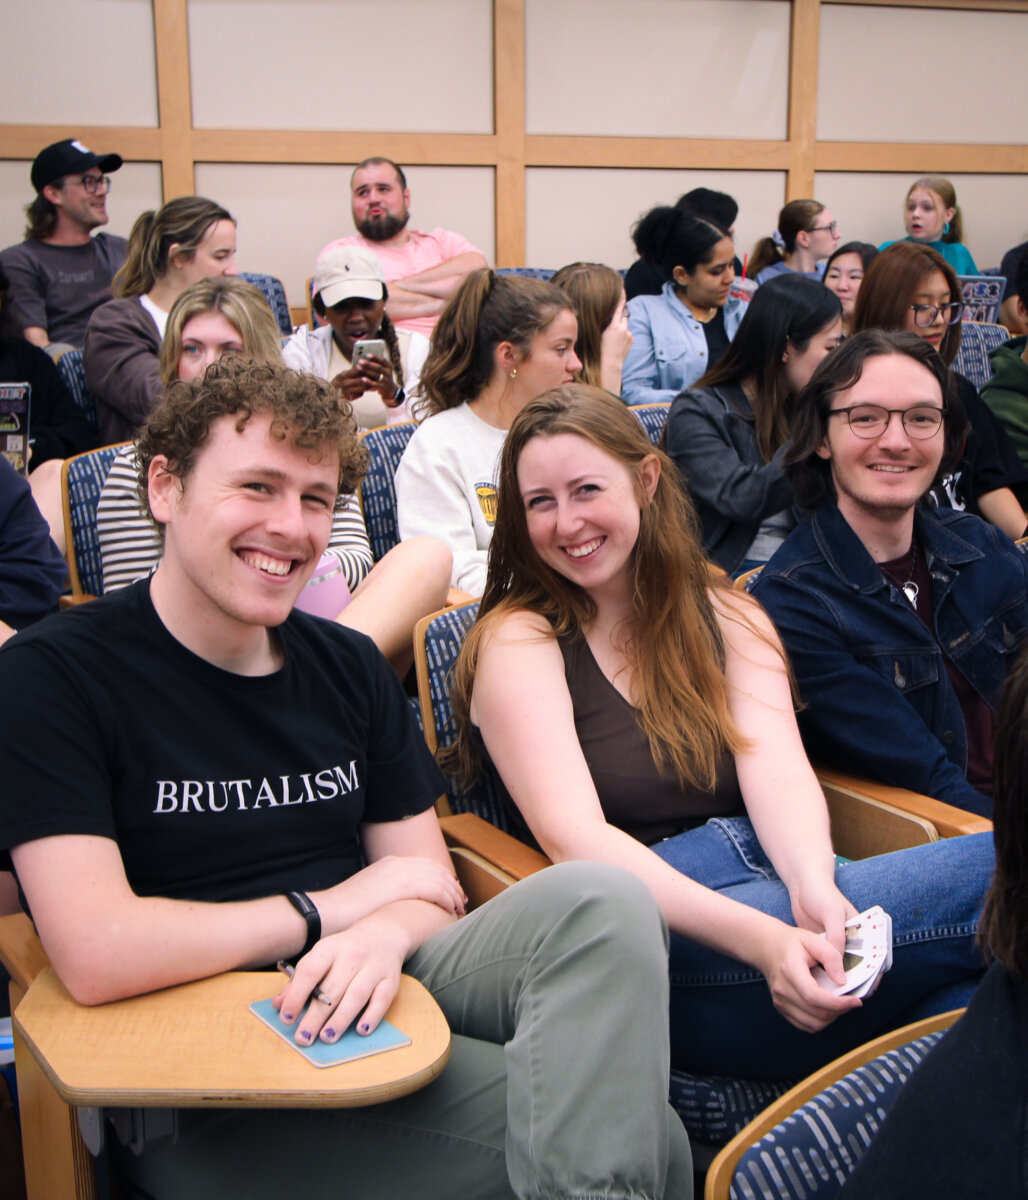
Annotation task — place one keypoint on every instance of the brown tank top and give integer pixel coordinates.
(634, 795)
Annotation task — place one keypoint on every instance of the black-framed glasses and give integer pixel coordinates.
(925, 314)
(832, 227)
(93, 183)
(871, 420)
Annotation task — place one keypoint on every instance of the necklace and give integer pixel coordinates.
(910, 588)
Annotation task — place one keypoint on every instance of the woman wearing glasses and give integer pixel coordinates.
(911, 287)
(807, 234)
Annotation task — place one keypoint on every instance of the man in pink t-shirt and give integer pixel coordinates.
(423, 270)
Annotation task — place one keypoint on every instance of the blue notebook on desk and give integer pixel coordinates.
(351, 1045)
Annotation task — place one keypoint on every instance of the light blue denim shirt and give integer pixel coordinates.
(669, 352)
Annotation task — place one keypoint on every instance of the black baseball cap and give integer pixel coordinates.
(69, 157)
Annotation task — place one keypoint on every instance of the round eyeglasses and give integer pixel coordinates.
(93, 183)
(870, 421)
(925, 314)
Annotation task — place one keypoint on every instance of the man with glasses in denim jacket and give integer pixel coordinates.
(62, 272)
(901, 622)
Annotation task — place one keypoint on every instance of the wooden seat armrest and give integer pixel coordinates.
(948, 820)
(71, 601)
(455, 597)
(470, 832)
(20, 949)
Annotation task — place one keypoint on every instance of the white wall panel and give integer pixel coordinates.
(657, 68)
(322, 64)
(286, 214)
(919, 74)
(869, 208)
(80, 62)
(587, 214)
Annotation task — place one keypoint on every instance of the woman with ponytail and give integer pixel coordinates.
(500, 341)
(187, 240)
(806, 236)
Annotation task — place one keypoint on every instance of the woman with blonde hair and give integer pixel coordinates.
(807, 234)
(598, 297)
(187, 240)
(227, 316)
(933, 218)
(638, 710)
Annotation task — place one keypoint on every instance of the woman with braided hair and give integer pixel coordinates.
(350, 294)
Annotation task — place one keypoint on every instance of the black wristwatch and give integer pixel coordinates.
(307, 909)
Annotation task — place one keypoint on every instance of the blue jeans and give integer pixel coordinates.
(722, 1018)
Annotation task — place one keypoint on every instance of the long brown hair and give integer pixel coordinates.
(676, 648)
(890, 284)
(183, 222)
(1004, 925)
(594, 291)
(486, 310)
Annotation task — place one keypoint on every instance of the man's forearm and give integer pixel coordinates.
(402, 304)
(443, 279)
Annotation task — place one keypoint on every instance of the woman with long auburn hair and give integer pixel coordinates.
(639, 712)
(598, 296)
(910, 287)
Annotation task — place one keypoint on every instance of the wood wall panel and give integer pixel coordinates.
(177, 146)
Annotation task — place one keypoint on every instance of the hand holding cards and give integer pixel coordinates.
(868, 955)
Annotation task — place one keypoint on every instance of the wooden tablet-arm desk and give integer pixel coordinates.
(192, 1046)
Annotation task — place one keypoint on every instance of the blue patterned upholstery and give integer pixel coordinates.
(653, 418)
(385, 448)
(275, 294)
(74, 375)
(82, 480)
(811, 1154)
(977, 341)
(712, 1109)
(527, 272)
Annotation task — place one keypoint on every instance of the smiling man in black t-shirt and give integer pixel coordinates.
(194, 776)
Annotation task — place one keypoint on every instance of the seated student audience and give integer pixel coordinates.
(807, 234)
(189, 239)
(57, 426)
(598, 298)
(423, 269)
(844, 272)
(680, 334)
(653, 729)
(32, 571)
(957, 1129)
(729, 432)
(350, 293)
(1006, 393)
(933, 218)
(645, 277)
(209, 674)
(62, 272)
(1009, 314)
(900, 621)
(500, 341)
(912, 288)
(227, 316)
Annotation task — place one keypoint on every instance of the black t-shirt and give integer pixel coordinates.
(990, 460)
(215, 786)
(717, 338)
